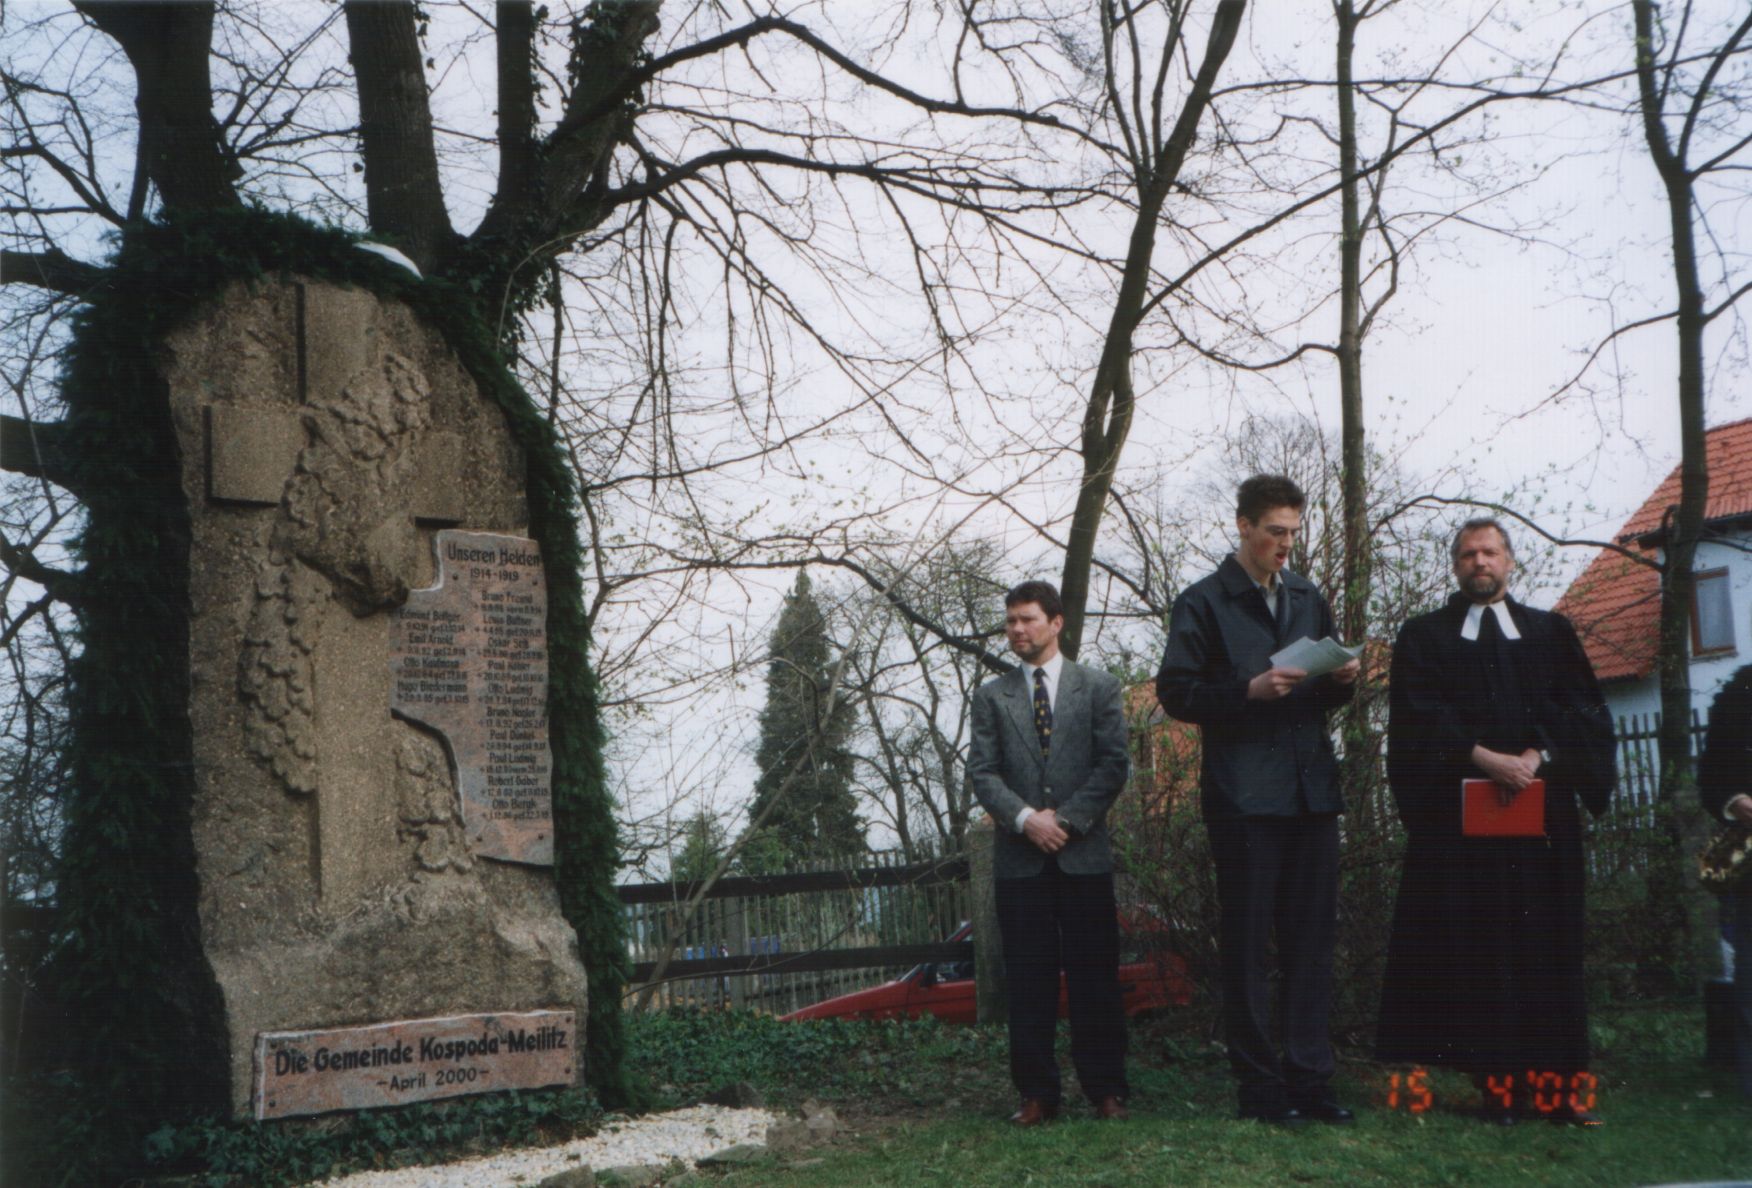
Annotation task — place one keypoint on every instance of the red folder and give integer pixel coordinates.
(1483, 813)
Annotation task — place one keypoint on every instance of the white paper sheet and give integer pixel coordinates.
(1317, 658)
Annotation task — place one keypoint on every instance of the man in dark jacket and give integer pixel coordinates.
(1724, 784)
(1484, 967)
(1270, 797)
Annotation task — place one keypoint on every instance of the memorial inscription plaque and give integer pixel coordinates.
(356, 1068)
(469, 658)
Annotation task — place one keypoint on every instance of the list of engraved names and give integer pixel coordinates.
(469, 657)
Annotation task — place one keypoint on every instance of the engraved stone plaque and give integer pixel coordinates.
(354, 1068)
(469, 659)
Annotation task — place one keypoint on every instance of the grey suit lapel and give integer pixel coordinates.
(1019, 701)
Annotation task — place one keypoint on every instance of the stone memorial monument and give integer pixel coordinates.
(372, 819)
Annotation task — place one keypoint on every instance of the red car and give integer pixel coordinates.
(1150, 977)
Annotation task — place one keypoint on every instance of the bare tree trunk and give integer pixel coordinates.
(1684, 524)
(514, 43)
(1360, 773)
(1354, 466)
(1108, 415)
(181, 149)
(403, 195)
(554, 191)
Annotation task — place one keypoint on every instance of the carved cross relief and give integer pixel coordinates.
(347, 471)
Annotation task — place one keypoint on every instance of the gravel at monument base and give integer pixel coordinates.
(686, 1135)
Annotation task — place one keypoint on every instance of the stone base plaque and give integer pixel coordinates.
(355, 1068)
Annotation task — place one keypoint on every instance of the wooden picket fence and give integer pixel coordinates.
(774, 943)
(1619, 841)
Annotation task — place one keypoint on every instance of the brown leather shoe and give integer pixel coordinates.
(1034, 1112)
(1111, 1108)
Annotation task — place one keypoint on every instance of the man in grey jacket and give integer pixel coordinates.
(1270, 796)
(1047, 758)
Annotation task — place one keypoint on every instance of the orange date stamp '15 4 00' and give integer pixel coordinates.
(1535, 1092)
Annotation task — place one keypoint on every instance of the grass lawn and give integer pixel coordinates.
(926, 1104)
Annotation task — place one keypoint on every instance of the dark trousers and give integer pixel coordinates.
(1050, 921)
(1277, 875)
(1739, 905)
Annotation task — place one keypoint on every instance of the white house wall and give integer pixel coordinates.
(1708, 674)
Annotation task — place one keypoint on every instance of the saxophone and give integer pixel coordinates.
(1725, 862)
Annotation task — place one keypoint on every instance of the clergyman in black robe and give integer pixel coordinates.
(1484, 968)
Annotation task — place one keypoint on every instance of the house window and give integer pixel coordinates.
(1712, 614)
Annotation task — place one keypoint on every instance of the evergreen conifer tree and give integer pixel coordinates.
(815, 815)
(702, 847)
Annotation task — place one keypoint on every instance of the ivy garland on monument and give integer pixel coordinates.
(128, 962)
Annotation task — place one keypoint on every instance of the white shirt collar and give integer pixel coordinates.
(1475, 618)
(1052, 668)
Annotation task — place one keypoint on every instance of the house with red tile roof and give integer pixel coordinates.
(1165, 753)
(1616, 602)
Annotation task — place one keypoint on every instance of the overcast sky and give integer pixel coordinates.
(1475, 377)
(1564, 237)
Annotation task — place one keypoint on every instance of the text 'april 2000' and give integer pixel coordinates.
(417, 1060)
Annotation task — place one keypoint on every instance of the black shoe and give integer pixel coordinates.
(1274, 1116)
(1497, 1114)
(1327, 1111)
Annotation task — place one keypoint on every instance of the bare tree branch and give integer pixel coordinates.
(52, 269)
